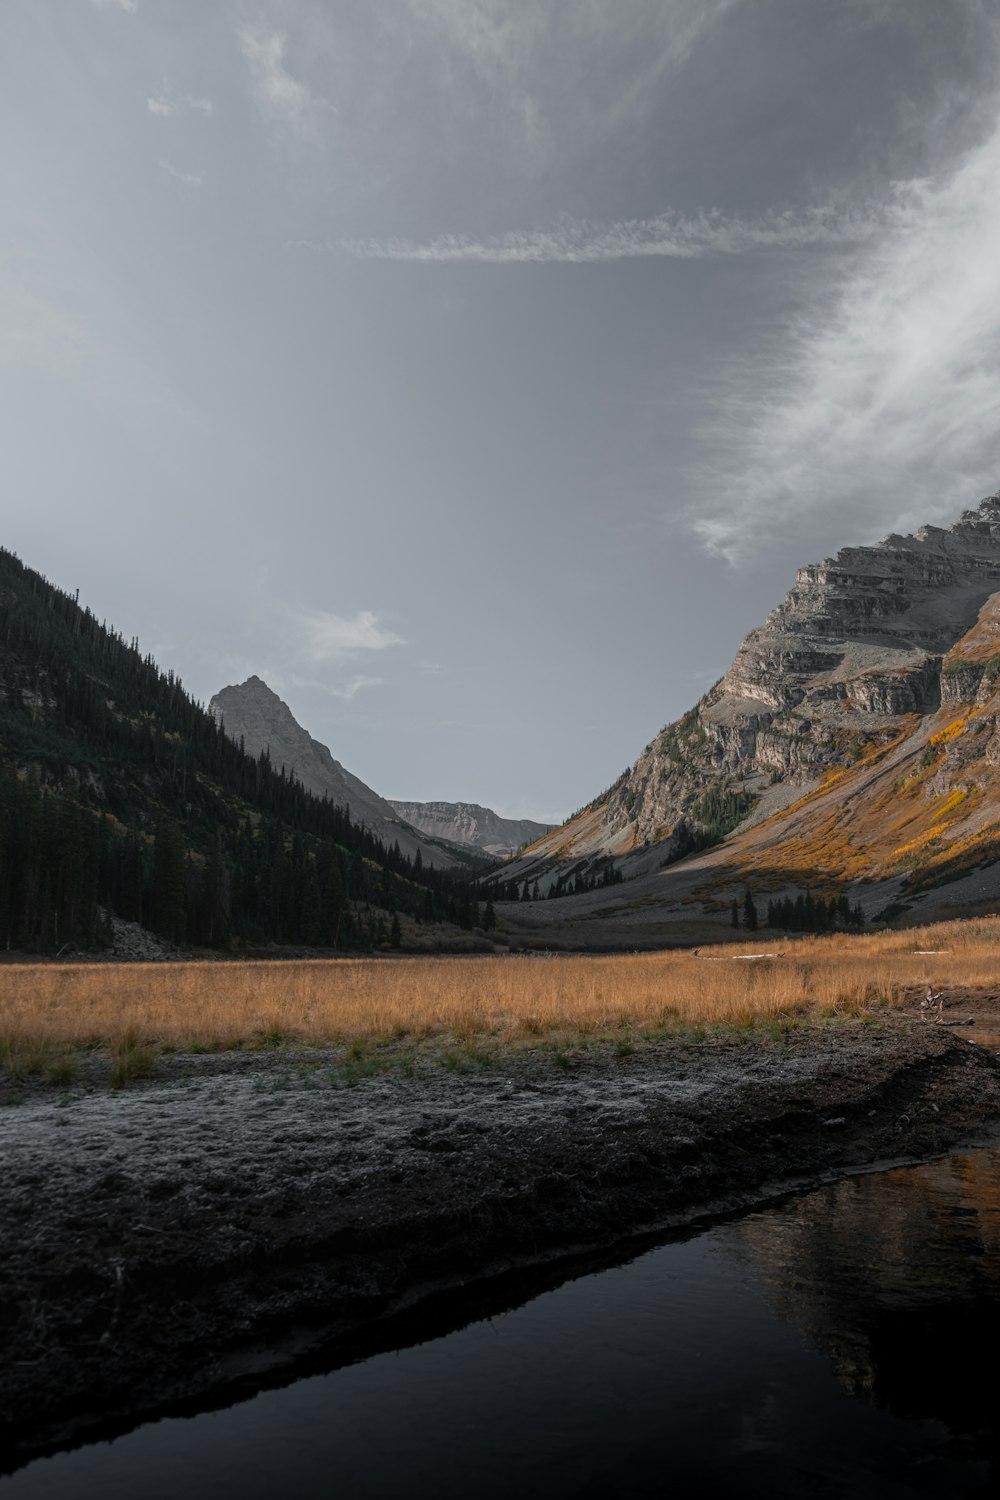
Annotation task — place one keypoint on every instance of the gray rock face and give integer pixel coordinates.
(468, 823)
(251, 712)
(855, 649)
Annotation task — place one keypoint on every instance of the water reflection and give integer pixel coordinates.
(829, 1345)
(896, 1278)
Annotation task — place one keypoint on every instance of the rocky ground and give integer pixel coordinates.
(206, 1230)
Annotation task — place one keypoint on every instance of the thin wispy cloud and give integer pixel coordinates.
(186, 179)
(347, 690)
(504, 44)
(330, 637)
(881, 403)
(466, 77)
(280, 94)
(672, 235)
(128, 5)
(166, 104)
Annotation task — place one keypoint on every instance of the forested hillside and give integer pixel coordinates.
(119, 794)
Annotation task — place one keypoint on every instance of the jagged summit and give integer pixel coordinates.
(469, 823)
(252, 712)
(853, 653)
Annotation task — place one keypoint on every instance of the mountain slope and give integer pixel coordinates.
(250, 712)
(923, 810)
(119, 795)
(855, 653)
(468, 823)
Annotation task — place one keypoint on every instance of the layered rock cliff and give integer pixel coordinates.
(251, 712)
(468, 823)
(855, 655)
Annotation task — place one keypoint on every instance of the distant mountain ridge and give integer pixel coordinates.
(469, 823)
(252, 712)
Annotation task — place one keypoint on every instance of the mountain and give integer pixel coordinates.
(856, 648)
(468, 823)
(853, 745)
(122, 798)
(253, 714)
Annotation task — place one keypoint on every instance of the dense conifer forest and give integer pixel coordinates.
(120, 795)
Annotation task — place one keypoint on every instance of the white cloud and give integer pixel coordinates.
(167, 104)
(33, 332)
(673, 235)
(278, 92)
(347, 690)
(130, 5)
(331, 637)
(350, 690)
(186, 179)
(882, 401)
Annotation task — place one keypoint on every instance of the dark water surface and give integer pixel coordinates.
(844, 1343)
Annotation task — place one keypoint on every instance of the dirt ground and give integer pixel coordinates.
(202, 1232)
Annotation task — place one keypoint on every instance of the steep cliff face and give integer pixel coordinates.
(922, 810)
(856, 655)
(469, 824)
(251, 712)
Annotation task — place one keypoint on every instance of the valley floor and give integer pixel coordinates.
(202, 1232)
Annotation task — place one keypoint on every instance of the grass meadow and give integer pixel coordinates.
(50, 1012)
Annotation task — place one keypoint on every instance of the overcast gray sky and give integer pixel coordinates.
(478, 371)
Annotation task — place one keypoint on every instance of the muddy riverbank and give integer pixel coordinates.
(207, 1228)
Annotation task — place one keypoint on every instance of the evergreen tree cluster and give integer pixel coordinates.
(718, 812)
(809, 913)
(598, 877)
(602, 874)
(120, 794)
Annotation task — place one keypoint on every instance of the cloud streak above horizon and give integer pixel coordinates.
(672, 235)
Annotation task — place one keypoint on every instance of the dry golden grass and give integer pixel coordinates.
(47, 1009)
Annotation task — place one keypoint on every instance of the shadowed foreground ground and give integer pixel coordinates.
(205, 1229)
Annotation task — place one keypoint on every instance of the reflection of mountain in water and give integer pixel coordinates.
(896, 1278)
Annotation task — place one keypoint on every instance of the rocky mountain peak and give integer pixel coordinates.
(253, 712)
(853, 652)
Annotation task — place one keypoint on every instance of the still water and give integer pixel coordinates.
(843, 1343)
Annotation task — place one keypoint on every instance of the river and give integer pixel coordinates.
(830, 1344)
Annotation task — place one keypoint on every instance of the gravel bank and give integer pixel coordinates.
(204, 1230)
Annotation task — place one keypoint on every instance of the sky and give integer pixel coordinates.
(478, 372)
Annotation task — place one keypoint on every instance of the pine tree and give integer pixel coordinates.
(749, 912)
(734, 919)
